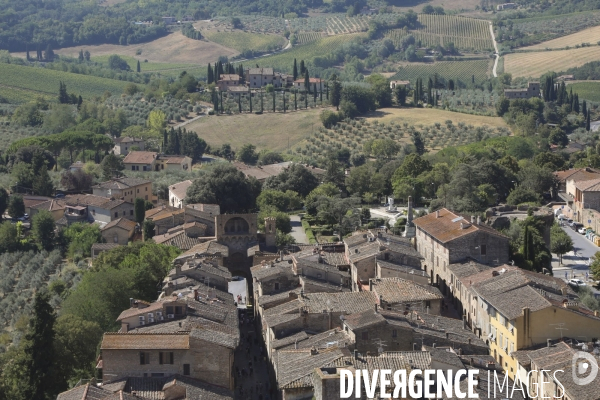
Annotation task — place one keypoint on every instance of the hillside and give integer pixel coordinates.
(34, 81)
(590, 36)
(535, 64)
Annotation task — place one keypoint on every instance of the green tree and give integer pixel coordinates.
(595, 266)
(381, 90)
(295, 70)
(400, 92)
(42, 228)
(117, 63)
(247, 154)
(282, 219)
(296, 178)
(281, 201)
(9, 240)
(42, 184)
(226, 186)
(27, 114)
(40, 380)
(138, 69)
(80, 237)
(336, 92)
(16, 206)
(560, 242)
(341, 213)
(111, 165)
(60, 118)
(418, 142)
(365, 179)
(412, 166)
(329, 118)
(139, 207)
(3, 200)
(148, 229)
(157, 122)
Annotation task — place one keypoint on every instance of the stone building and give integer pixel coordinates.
(178, 193)
(91, 208)
(123, 145)
(444, 237)
(119, 231)
(127, 189)
(532, 90)
(211, 274)
(228, 80)
(190, 334)
(403, 295)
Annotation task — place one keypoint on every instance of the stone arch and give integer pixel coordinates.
(236, 225)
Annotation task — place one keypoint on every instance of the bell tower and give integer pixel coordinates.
(270, 231)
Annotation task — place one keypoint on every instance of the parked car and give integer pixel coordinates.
(561, 217)
(576, 226)
(582, 230)
(576, 282)
(570, 222)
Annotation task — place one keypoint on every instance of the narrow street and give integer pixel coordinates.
(251, 366)
(297, 230)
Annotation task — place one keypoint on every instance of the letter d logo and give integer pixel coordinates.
(580, 367)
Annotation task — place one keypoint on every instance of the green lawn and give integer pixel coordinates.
(241, 41)
(34, 81)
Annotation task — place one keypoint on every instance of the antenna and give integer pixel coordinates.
(380, 345)
(561, 327)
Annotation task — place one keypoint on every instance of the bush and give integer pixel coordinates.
(330, 118)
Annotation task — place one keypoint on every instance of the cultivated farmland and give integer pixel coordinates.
(465, 33)
(242, 41)
(284, 61)
(535, 64)
(46, 82)
(308, 37)
(590, 35)
(144, 66)
(460, 71)
(586, 90)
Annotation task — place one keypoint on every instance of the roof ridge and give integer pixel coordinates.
(148, 333)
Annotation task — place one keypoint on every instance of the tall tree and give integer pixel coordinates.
(302, 67)
(42, 227)
(139, 67)
(39, 358)
(587, 122)
(80, 55)
(16, 206)
(560, 242)
(63, 96)
(295, 70)
(306, 81)
(3, 200)
(139, 207)
(336, 92)
(42, 184)
(209, 75)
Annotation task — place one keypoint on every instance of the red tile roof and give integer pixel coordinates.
(449, 226)
(140, 157)
(123, 223)
(145, 341)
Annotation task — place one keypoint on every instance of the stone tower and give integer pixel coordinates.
(270, 231)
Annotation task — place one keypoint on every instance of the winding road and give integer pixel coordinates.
(496, 51)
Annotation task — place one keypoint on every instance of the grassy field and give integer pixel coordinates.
(173, 49)
(538, 63)
(429, 116)
(284, 61)
(266, 131)
(37, 81)
(145, 66)
(590, 35)
(457, 70)
(241, 41)
(587, 90)
(15, 95)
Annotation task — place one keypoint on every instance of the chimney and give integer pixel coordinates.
(464, 319)
(376, 307)
(415, 346)
(177, 269)
(409, 213)
(437, 214)
(124, 327)
(478, 220)
(471, 361)
(196, 294)
(472, 219)
(433, 345)
(548, 342)
(460, 351)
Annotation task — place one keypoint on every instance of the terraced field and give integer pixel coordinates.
(466, 33)
(462, 71)
(242, 41)
(308, 37)
(535, 64)
(35, 80)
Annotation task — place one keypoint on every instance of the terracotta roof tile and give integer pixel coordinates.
(145, 341)
(449, 226)
(140, 157)
(398, 290)
(123, 223)
(180, 189)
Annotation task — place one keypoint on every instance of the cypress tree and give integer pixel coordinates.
(283, 102)
(306, 81)
(306, 100)
(261, 102)
(139, 67)
(79, 102)
(302, 67)
(38, 351)
(80, 55)
(165, 141)
(240, 102)
(27, 51)
(295, 73)
(295, 100)
(587, 122)
(584, 108)
(314, 92)
(273, 100)
(327, 90)
(222, 109)
(209, 74)
(250, 100)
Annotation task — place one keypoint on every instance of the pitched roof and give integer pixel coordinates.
(260, 71)
(85, 392)
(468, 268)
(122, 183)
(122, 223)
(449, 226)
(348, 302)
(145, 341)
(92, 200)
(295, 367)
(153, 388)
(230, 77)
(140, 157)
(364, 250)
(104, 246)
(398, 290)
(162, 213)
(593, 185)
(174, 159)
(210, 248)
(180, 189)
(263, 171)
(578, 174)
(128, 139)
(511, 303)
(363, 319)
(265, 271)
(50, 205)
